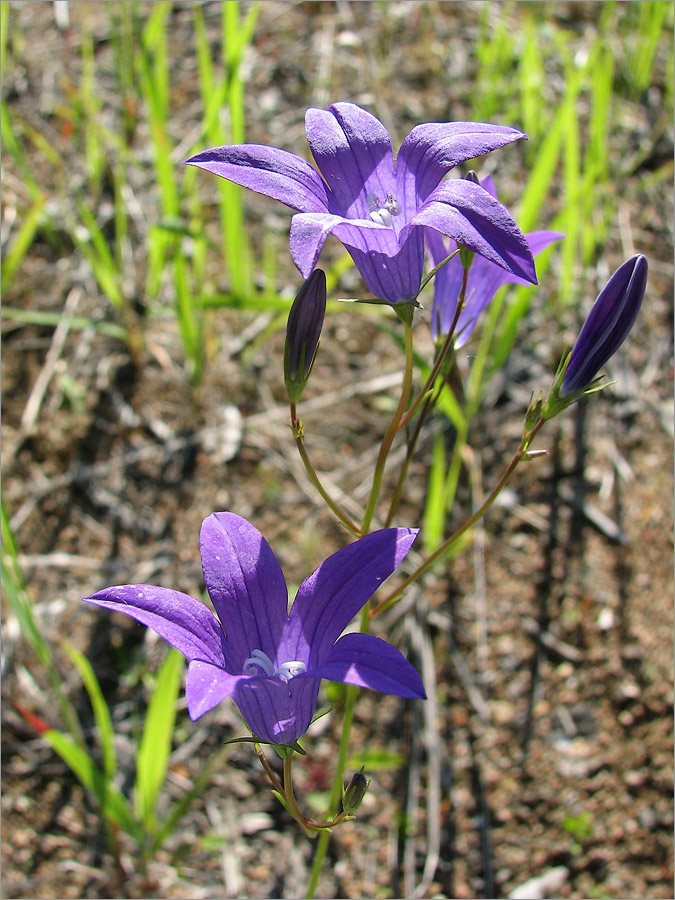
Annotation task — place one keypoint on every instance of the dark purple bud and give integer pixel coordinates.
(305, 322)
(355, 792)
(607, 324)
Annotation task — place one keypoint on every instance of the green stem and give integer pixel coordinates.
(468, 523)
(438, 362)
(412, 443)
(299, 436)
(393, 429)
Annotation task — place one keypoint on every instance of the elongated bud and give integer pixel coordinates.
(466, 256)
(607, 325)
(303, 330)
(355, 792)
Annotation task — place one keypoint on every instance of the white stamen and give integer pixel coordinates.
(385, 216)
(373, 202)
(391, 204)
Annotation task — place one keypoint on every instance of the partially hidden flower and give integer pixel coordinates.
(607, 325)
(379, 208)
(484, 280)
(303, 331)
(268, 660)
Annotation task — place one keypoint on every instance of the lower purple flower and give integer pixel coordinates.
(268, 660)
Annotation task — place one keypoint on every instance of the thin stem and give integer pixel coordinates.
(468, 523)
(443, 352)
(412, 443)
(299, 436)
(393, 429)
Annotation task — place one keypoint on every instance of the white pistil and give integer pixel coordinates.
(259, 660)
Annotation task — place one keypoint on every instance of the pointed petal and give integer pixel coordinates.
(184, 622)
(267, 170)
(246, 584)
(310, 230)
(431, 150)
(353, 150)
(332, 595)
(207, 685)
(485, 279)
(276, 711)
(392, 270)
(370, 662)
(467, 213)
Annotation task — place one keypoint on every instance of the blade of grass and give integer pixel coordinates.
(155, 746)
(113, 804)
(22, 242)
(106, 732)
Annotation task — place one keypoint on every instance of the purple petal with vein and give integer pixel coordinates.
(182, 621)
(369, 662)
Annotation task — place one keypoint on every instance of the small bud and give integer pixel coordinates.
(354, 793)
(303, 330)
(607, 324)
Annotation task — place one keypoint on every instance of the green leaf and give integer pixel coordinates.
(155, 747)
(102, 717)
(113, 804)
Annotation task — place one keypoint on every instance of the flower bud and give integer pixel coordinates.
(303, 330)
(355, 792)
(607, 324)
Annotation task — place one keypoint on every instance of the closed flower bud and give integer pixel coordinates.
(355, 792)
(607, 324)
(305, 322)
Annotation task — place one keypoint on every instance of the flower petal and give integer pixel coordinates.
(246, 584)
(353, 150)
(485, 279)
(267, 170)
(184, 622)
(434, 148)
(277, 711)
(310, 230)
(332, 595)
(370, 662)
(207, 685)
(467, 213)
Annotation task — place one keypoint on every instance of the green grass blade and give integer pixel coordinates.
(155, 746)
(434, 509)
(113, 804)
(22, 241)
(102, 717)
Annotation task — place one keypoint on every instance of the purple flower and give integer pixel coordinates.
(485, 279)
(303, 330)
(269, 661)
(376, 207)
(607, 324)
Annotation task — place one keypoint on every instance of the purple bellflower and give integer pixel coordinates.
(485, 279)
(379, 208)
(607, 325)
(268, 660)
(303, 330)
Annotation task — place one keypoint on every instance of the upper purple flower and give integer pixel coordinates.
(607, 325)
(268, 660)
(485, 279)
(378, 208)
